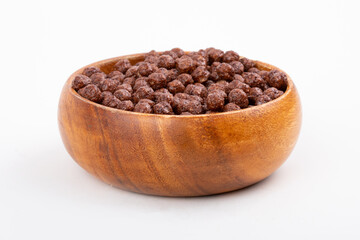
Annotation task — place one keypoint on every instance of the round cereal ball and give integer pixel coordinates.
(196, 89)
(253, 80)
(143, 92)
(157, 80)
(109, 85)
(225, 71)
(178, 51)
(238, 97)
(90, 71)
(145, 69)
(200, 74)
(230, 56)
(151, 59)
(254, 93)
(163, 108)
(91, 92)
(277, 80)
(262, 99)
(160, 96)
(239, 77)
(97, 78)
(80, 81)
(132, 72)
(140, 82)
(166, 61)
(122, 65)
(237, 66)
(231, 107)
(198, 59)
(273, 93)
(122, 94)
(237, 84)
(171, 74)
(185, 64)
(171, 54)
(143, 107)
(125, 86)
(109, 100)
(214, 55)
(175, 87)
(185, 79)
(215, 101)
(126, 105)
(247, 63)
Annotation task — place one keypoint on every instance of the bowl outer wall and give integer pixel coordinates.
(178, 155)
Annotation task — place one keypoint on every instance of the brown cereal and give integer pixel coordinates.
(273, 93)
(164, 83)
(122, 94)
(166, 61)
(225, 71)
(200, 74)
(238, 97)
(91, 92)
(90, 71)
(231, 107)
(157, 80)
(80, 81)
(163, 108)
(175, 87)
(122, 65)
(143, 92)
(185, 64)
(230, 56)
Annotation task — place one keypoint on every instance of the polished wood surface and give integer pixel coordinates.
(178, 155)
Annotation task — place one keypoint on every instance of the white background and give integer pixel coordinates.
(44, 194)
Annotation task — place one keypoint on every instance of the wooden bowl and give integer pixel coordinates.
(178, 155)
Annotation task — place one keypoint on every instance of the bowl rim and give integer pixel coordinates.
(290, 88)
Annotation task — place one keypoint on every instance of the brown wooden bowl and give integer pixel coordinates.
(178, 155)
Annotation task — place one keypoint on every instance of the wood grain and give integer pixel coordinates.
(178, 155)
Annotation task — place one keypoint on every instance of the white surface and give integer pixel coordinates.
(46, 195)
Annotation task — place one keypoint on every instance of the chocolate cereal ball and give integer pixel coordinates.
(273, 93)
(254, 70)
(122, 94)
(163, 108)
(175, 87)
(262, 99)
(253, 80)
(254, 93)
(143, 92)
(239, 77)
(230, 56)
(247, 63)
(277, 79)
(143, 107)
(238, 97)
(90, 71)
(215, 101)
(125, 86)
(163, 96)
(97, 78)
(80, 81)
(171, 74)
(157, 80)
(237, 66)
(237, 84)
(140, 82)
(231, 107)
(109, 85)
(179, 52)
(185, 79)
(225, 71)
(109, 100)
(122, 65)
(200, 74)
(166, 61)
(145, 69)
(196, 89)
(91, 92)
(214, 55)
(126, 105)
(185, 64)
